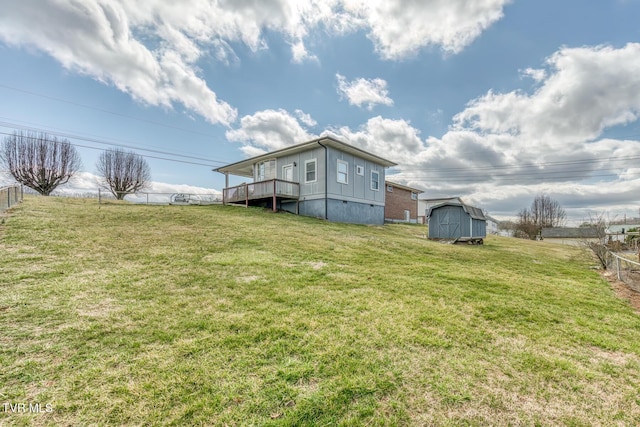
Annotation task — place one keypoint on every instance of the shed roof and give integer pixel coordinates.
(475, 213)
(245, 167)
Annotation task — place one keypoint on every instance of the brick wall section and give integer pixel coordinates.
(397, 201)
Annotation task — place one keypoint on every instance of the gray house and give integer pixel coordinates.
(323, 178)
(454, 220)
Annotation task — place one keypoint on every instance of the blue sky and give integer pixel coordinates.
(492, 100)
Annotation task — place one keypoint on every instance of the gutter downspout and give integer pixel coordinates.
(326, 181)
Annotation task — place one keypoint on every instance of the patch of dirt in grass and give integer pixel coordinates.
(622, 290)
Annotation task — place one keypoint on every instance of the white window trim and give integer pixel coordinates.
(315, 174)
(360, 170)
(377, 181)
(390, 188)
(346, 164)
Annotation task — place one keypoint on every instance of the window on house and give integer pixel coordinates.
(343, 172)
(390, 188)
(375, 180)
(310, 171)
(266, 170)
(414, 196)
(359, 170)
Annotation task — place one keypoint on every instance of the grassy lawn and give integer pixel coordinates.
(183, 315)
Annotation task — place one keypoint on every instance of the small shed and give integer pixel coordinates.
(455, 220)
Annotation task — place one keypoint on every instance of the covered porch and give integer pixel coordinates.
(269, 192)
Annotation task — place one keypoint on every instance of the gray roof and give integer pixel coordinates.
(569, 232)
(475, 213)
(245, 167)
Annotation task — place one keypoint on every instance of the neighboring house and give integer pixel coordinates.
(454, 220)
(425, 204)
(401, 203)
(323, 178)
(573, 236)
(492, 225)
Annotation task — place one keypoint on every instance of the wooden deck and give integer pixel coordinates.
(272, 190)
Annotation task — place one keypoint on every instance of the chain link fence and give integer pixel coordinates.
(10, 196)
(627, 270)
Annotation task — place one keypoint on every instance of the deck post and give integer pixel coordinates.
(246, 195)
(274, 196)
(224, 190)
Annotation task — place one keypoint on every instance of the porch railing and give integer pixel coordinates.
(273, 188)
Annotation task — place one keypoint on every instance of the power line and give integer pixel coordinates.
(533, 165)
(90, 107)
(98, 141)
(513, 178)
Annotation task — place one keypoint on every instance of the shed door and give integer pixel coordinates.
(449, 226)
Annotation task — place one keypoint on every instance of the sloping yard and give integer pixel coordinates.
(144, 315)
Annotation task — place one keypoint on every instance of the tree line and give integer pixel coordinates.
(43, 162)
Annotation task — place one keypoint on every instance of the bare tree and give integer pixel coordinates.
(39, 161)
(123, 172)
(544, 212)
(547, 212)
(598, 245)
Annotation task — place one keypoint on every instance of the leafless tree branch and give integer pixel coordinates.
(39, 161)
(123, 172)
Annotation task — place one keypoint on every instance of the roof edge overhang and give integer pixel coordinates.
(244, 167)
(404, 187)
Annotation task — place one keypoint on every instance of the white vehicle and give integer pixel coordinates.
(184, 199)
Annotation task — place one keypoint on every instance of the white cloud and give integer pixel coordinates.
(396, 140)
(305, 118)
(361, 92)
(400, 28)
(269, 130)
(588, 89)
(150, 49)
(537, 75)
(97, 38)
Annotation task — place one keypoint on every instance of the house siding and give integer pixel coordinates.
(358, 187)
(353, 202)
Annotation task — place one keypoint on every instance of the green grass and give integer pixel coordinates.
(144, 315)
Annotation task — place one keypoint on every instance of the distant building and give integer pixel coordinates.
(572, 236)
(425, 204)
(401, 203)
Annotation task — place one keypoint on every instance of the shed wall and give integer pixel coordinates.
(452, 222)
